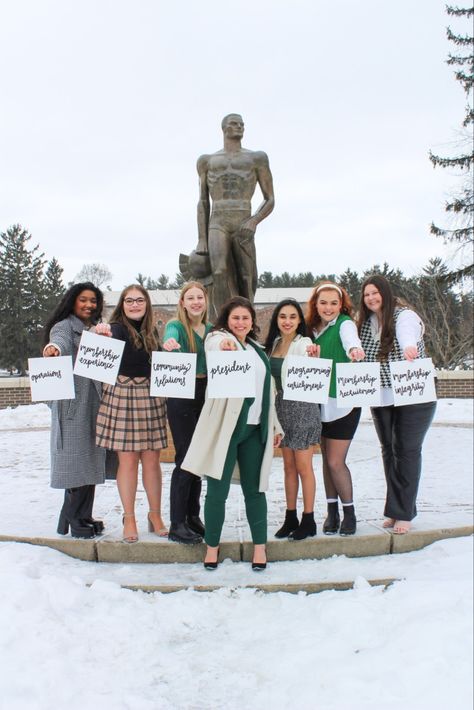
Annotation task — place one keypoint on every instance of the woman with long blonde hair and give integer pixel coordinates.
(186, 334)
(129, 420)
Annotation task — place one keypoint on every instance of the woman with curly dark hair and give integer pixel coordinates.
(390, 331)
(77, 464)
(329, 317)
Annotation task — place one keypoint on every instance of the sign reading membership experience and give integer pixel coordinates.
(98, 357)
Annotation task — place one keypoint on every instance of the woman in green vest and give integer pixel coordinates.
(186, 334)
(330, 319)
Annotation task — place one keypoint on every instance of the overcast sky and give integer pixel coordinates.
(106, 105)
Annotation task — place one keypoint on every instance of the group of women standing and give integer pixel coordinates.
(226, 439)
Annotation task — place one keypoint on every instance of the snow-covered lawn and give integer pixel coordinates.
(67, 645)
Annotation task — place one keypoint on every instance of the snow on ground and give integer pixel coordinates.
(65, 644)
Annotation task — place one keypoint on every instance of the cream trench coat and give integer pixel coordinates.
(207, 452)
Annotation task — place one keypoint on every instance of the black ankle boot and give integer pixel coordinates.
(86, 512)
(290, 524)
(71, 512)
(332, 522)
(180, 532)
(349, 522)
(195, 524)
(307, 528)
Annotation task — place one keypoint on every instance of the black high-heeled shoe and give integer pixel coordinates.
(212, 565)
(68, 516)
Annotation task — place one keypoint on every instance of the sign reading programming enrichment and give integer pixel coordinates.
(413, 382)
(173, 375)
(357, 384)
(231, 373)
(51, 378)
(98, 357)
(307, 379)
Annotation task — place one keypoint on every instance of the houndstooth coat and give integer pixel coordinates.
(75, 459)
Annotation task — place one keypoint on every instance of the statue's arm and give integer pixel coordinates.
(204, 205)
(265, 180)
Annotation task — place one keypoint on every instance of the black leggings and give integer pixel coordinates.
(401, 431)
(185, 488)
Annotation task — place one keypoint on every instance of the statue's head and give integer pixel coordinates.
(233, 125)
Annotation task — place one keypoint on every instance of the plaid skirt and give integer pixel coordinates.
(129, 419)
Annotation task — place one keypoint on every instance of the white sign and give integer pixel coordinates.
(173, 375)
(98, 357)
(413, 382)
(51, 378)
(307, 379)
(358, 384)
(231, 373)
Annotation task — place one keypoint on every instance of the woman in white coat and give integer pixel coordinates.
(301, 421)
(236, 435)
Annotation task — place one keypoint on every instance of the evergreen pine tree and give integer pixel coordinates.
(53, 286)
(461, 205)
(21, 305)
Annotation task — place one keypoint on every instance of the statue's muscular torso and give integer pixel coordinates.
(232, 178)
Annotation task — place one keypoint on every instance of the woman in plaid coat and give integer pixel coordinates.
(129, 420)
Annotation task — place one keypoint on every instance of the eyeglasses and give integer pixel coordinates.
(140, 301)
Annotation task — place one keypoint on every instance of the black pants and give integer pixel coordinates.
(401, 431)
(185, 488)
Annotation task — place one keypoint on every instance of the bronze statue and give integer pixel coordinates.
(225, 257)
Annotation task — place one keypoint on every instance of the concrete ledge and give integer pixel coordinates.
(80, 549)
(307, 587)
(322, 547)
(161, 552)
(417, 539)
(360, 545)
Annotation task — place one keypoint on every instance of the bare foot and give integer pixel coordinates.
(259, 554)
(389, 523)
(212, 553)
(401, 527)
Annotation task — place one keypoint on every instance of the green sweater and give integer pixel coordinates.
(175, 329)
(332, 348)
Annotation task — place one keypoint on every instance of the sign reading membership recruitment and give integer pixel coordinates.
(357, 384)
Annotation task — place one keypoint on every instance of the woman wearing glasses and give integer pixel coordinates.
(129, 420)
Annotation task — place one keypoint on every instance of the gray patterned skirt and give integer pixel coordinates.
(300, 421)
(129, 419)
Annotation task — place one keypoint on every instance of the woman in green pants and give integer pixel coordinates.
(237, 433)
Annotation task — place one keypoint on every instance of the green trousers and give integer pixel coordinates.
(247, 448)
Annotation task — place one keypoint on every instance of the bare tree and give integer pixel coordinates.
(98, 274)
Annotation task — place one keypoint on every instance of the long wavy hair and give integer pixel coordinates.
(237, 302)
(313, 319)
(389, 303)
(182, 314)
(274, 331)
(65, 307)
(147, 337)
